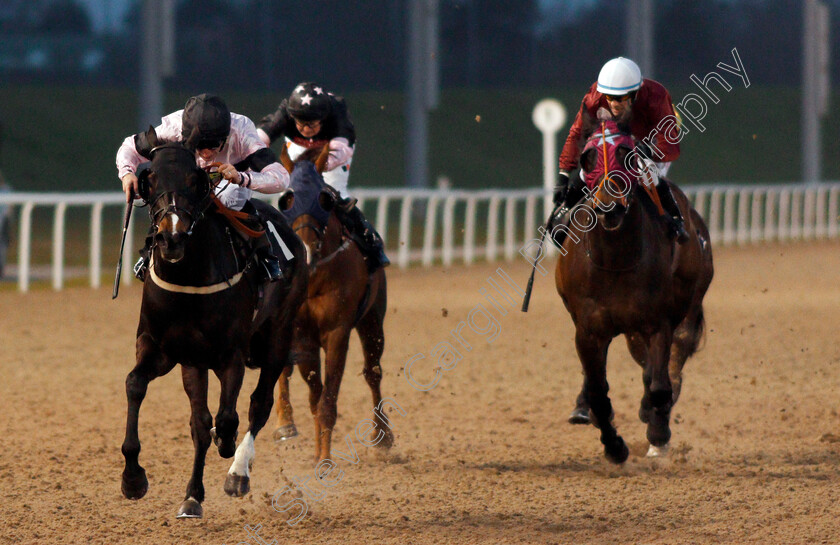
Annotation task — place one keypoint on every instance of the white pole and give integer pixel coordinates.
(549, 116)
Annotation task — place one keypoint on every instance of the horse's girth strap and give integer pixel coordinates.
(235, 218)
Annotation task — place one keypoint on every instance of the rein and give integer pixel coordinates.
(235, 217)
(320, 233)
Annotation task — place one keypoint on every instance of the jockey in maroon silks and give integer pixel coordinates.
(623, 96)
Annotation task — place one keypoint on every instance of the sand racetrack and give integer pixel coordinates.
(484, 457)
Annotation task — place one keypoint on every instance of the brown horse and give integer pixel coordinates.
(202, 307)
(342, 296)
(620, 273)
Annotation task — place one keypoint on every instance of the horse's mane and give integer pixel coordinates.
(311, 154)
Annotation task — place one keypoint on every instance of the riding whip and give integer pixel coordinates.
(128, 208)
(527, 299)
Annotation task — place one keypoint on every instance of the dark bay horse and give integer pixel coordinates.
(342, 296)
(203, 307)
(620, 273)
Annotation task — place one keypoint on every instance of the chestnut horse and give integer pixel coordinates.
(203, 307)
(620, 273)
(342, 296)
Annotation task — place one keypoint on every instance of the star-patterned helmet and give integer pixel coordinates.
(309, 102)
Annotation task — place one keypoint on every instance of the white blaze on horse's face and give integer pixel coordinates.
(308, 254)
(174, 217)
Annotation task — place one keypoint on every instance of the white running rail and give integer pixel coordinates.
(446, 226)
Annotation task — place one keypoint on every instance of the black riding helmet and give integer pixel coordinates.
(309, 102)
(210, 115)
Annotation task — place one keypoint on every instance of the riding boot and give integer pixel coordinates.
(142, 264)
(363, 232)
(676, 223)
(267, 261)
(573, 196)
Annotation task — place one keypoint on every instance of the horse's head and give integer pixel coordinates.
(608, 176)
(176, 190)
(310, 204)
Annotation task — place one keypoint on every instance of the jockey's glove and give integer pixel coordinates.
(561, 189)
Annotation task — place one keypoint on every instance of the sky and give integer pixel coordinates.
(108, 15)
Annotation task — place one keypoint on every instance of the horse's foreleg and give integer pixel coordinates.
(195, 384)
(286, 428)
(593, 356)
(372, 336)
(150, 364)
(335, 349)
(227, 420)
(306, 355)
(658, 390)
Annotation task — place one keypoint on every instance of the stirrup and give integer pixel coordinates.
(270, 269)
(677, 229)
(140, 269)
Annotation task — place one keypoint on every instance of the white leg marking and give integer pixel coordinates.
(658, 452)
(244, 457)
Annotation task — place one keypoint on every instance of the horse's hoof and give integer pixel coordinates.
(134, 486)
(284, 433)
(387, 440)
(618, 452)
(644, 415)
(580, 416)
(658, 452)
(226, 450)
(190, 509)
(237, 485)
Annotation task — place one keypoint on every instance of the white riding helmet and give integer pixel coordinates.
(619, 76)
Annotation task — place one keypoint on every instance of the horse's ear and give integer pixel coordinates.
(587, 160)
(285, 160)
(321, 161)
(145, 142)
(326, 200)
(287, 200)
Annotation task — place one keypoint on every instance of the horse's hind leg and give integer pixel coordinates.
(286, 428)
(658, 389)
(637, 345)
(580, 414)
(238, 480)
(593, 356)
(195, 384)
(687, 339)
(372, 336)
(150, 365)
(227, 421)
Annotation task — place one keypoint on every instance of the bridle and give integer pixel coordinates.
(201, 205)
(319, 233)
(318, 230)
